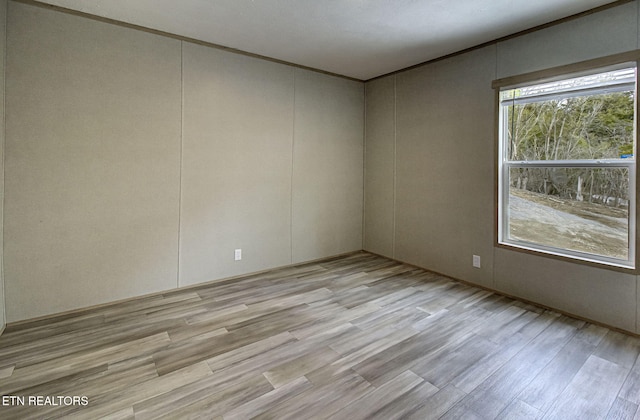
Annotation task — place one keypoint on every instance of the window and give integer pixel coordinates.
(567, 166)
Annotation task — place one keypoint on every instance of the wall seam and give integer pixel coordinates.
(395, 163)
(364, 168)
(293, 150)
(180, 160)
(495, 180)
(4, 170)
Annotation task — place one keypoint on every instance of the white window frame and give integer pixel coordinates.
(504, 166)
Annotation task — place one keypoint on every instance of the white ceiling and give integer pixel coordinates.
(356, 38)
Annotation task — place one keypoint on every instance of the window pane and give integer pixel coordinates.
(593, 126)
(578, 209)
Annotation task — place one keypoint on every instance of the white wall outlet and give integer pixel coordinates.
(237, 254)
(476, 261)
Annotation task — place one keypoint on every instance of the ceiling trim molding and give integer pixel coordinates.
(287, 63)
(178, 37)
(508, 37)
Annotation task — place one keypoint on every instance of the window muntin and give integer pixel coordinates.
(567, 166)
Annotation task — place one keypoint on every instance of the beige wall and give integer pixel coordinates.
(3, 44)
(611, 31)
(272, 164)
(327, 166)
(137, 163)
(236, 170)
(380, 170)
(92, 162)
(437, 121)
(443, 137)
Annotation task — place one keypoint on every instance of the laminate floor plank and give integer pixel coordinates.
(322, 401)
(96, 340)
(437, 405)
(441, 369)
(330, 321)
(34, 337)
(213, 315)
(494, 394)
(437, 337)
(631, 388)
(114, 378)
(519, 410)
(408, 303)
(195, 350)
(618, 348)
(506, 323)
(109, 403)
(273, 398)
(472, 377)
(274, 358)
(347, 281)
(368, 406)
(353, 336)
(179, 304)
(394, 297)
(360, 338)
(202, 398)
(622, 409)
(55, 369)
(300, 366)
(554, 378)
(397, 337)
(477, 295)
(6, 371)
(404, 404)
(243, 353)
(435, 302)
(592, 392)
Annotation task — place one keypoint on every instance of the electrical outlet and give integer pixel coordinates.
(238, 254)
(476, 261)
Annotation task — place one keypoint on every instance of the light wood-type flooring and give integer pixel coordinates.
(353, 337)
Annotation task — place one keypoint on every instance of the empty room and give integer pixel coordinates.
(346, 209)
